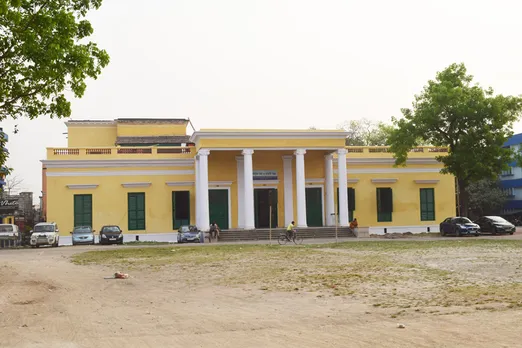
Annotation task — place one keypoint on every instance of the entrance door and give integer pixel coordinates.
(82, 210)
(351, 203)
(314, 207)
(180, 208)
(218, 208)
(263, 198)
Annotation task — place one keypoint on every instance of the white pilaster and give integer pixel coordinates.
(343, 188)
(329, 183)
(249, 222)
(300, 187)
(240, 192)
(289, 189)
(198, 192)
(203, 188)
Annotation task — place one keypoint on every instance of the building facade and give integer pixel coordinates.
(149, 176)
(511, 179)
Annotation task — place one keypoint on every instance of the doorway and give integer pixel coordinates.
(218, 207)
(263, 198)
(314, 206)
(180, 209)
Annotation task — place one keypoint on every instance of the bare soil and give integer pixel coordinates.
(448, 293)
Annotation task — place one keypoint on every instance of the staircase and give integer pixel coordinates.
(236, 235)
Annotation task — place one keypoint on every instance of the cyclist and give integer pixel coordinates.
(290, 230)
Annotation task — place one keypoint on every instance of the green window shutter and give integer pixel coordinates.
(136, 211)
(427, 204)
(384, 204)
(82, 210)
(351, 199)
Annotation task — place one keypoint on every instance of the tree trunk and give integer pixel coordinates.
(463, 197)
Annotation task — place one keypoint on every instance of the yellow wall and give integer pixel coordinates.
(246, 143)
(110, 200)
(141, 130)
(99, 136)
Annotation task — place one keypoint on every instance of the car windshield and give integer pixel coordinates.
(462, 220)
(6, 228)
(44, 228)
(184, 229)
(497, 219)
(108, 229)
(82, 229)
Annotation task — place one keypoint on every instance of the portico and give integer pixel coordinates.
(271, 180)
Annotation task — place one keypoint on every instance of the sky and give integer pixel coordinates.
(278, 63)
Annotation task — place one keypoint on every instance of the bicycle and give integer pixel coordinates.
(283, 238)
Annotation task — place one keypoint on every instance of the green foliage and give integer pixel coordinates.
(44, 52)
(473, 122)
(366, 132)
(486, 197)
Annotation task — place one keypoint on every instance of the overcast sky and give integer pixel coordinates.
(278, 63)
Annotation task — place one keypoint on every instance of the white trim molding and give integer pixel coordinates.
(219, 183)
(287, 148)
(391, 170)
(314, 181)
(359, 160)
(384, 181)
(179, 183)
(350, 181)
(267, 134)
(429, 181)
(122, 173)
(136, 184)
(118, 163)
(82, 186)
(266, 182)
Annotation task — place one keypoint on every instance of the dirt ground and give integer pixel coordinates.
(463, 294)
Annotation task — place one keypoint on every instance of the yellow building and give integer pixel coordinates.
(149, 176)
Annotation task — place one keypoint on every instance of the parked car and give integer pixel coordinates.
(45, 233)
(189, 233)
(111, 235)
(495, 225)
(83, 235)
(459, 226)
(10, 232)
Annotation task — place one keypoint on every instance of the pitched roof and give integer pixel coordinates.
(171, 139)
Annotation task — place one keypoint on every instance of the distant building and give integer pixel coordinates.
(511, 179)
(17, 209)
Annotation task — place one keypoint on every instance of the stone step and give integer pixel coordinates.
(264, 234)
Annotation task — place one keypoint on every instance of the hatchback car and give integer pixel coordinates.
(189, 233)
(495, 225)
(459, 226)
(83, 235)
(111, 235)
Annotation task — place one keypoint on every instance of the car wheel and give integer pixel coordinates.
(456, 231)
(511, 233)
(442, 233)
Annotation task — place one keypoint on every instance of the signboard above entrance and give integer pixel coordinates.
(265, 175)
(8, 205)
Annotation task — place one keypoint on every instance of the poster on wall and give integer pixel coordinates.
(260, 175)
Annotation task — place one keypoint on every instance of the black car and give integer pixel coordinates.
(495, 225)
(111, 234)
(459, 226)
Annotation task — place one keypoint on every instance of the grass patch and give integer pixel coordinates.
(146, 243)
(406, 245)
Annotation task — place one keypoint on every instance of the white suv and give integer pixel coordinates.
(45, 233)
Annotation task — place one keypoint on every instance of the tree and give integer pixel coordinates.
(471, 121)
(365, 132)
(486, 197)
(43, 54)
(13, 184)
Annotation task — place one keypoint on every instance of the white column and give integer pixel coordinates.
(240, 192)
(329, 183)
(203, 188)
(289, 189)
(249, 189)
(343, 188)
(300, 187)
(198, 192)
